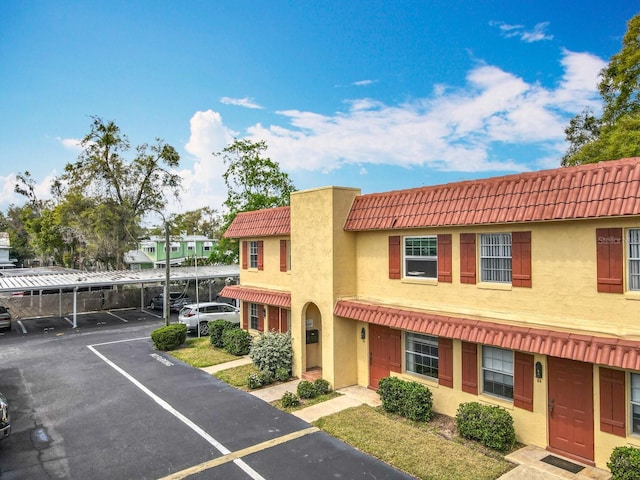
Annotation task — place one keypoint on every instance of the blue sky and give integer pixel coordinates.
(368, 94)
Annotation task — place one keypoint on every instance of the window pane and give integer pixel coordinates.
(497, 372)
(421, 354)
(253, 254)
(634, 259)
(421, 257)
(635, 403)
(495, 257)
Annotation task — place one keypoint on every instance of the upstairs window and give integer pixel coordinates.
(421, 257)
(421, 354)
(497, 372)
(634, 259)
(253, 254)
(495, 257)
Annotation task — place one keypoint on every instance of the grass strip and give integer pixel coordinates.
(415, 450)
(199, 353)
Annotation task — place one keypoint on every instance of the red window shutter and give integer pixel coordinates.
(273, 314)
(444, 258)
(245, 258)
(261, 318)
(260, 255)
(445, 362)
(394, 257)
(521, 259)
(283, 255)
(523, 381)
(612, 402)
(395, 350)
(467, 258)
(245, 315)
(609, 259)
(284, 317)
(470, 368)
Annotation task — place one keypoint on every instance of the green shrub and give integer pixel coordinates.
(282, 374)
(254, 380)
(169, 337)
(492, 426)
(289, 400)
(624, 463)
(271, 351)
(236, 341)
(306, 389)
(322, 386)
(216, 330)
(409, 399)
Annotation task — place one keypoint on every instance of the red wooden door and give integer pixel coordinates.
(384, 353)
(570, 409)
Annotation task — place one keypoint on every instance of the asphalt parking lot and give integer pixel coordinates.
(99, 402)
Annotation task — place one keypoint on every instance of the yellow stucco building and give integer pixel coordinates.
(521, 291)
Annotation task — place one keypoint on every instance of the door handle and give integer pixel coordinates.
(551, 407)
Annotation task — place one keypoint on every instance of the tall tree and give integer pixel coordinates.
(254, 182)
(616, 133)
(123, 191)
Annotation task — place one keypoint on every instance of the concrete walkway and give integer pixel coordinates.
(528, 459)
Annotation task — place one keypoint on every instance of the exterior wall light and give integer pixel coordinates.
(538, 371)
(363, 334)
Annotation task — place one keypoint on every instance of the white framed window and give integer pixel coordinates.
(150, 249)
(635, 403)
(633, 253)
(253, 254)
(497, 372)
(495, 257)
(206, 246)
(253, 316)
(421, 354)
(421, 257)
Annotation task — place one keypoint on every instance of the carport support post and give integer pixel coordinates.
(167, 273)
(75, 310)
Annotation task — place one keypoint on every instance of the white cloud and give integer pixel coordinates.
(363, 83)
(240, 102)
(454, 130)
(72, 144)
(529, 36)
(204, 185)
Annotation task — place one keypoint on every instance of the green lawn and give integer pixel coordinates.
(414, 448)
(199, 353)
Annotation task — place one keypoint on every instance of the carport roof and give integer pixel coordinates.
(16, 281)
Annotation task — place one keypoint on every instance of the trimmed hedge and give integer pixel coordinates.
(217, 329)
(408, 399)
(624, 463)
(306, 389)
(237, 341)
(490, 425)
(290, 400)
(169, 336)
(321, 386)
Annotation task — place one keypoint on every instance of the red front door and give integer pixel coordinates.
(384, 353)
(570, 409)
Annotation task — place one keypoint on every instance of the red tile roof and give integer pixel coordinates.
(597, 190)
(584, 348)
(261, 223)
(257, 295)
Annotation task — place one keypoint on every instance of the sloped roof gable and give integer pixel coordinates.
(261, 223)
(604, 189)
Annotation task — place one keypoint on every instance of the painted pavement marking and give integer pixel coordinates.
(117, 316)
(227, 455)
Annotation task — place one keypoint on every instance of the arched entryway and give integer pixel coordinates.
(312, 335)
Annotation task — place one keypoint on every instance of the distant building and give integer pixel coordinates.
(151, 251)
(5, 246)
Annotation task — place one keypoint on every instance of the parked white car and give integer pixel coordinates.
(201, 314)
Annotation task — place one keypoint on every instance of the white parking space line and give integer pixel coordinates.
(118, 317)
(164, 404)
(151, 313)
(24, 330)
(68, 320)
